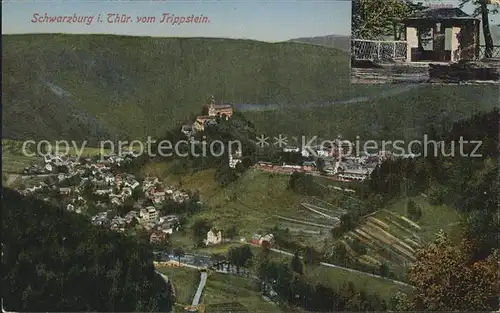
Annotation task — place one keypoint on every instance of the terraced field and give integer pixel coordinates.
(317, 218)
(391, 238)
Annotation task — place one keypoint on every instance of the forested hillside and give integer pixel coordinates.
(54, 260)
(467, 181)
(90, 86)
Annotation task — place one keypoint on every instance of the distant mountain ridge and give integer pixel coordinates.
(343, 43)
(340, 42)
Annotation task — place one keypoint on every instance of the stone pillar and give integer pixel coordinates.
(439, 41)
(455, 44)
(411, 42)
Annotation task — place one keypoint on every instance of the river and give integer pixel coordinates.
(392, 90)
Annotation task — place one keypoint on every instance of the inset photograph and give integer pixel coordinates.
(443, 42)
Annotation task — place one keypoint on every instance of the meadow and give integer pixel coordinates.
(223, 290)
(185, 281)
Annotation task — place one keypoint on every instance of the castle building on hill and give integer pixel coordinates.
(219, 109)
(214, 111)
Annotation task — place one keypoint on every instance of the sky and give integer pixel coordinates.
(264, 20)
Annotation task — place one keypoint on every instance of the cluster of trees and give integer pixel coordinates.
(484, 8)
(240, 257)
(413, 210)
(304, 184)
(356, 209)
(377, 19)
(54, 260)
(190, 206)
(293, 287)
(199, 229)
(284, 240)
(278, 156)
(232, 132)
(459, 282)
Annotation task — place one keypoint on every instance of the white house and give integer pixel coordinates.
(213, 237)
(148, 214)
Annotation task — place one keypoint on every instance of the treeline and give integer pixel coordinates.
(304, 184)
(54, 260)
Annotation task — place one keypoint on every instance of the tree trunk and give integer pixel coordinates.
(488, 40)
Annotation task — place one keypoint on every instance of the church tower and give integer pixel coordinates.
(211, 107)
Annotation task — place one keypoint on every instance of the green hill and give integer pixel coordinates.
(406, 115)
(94, 86)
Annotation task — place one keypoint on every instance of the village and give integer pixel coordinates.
(91, 183)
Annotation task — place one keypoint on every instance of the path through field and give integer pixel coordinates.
(11, 179)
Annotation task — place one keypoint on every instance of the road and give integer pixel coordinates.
(11, 179)
(165, 277)
(199, 291)
(203, 261)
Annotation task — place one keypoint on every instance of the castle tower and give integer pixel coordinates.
(211, 107)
